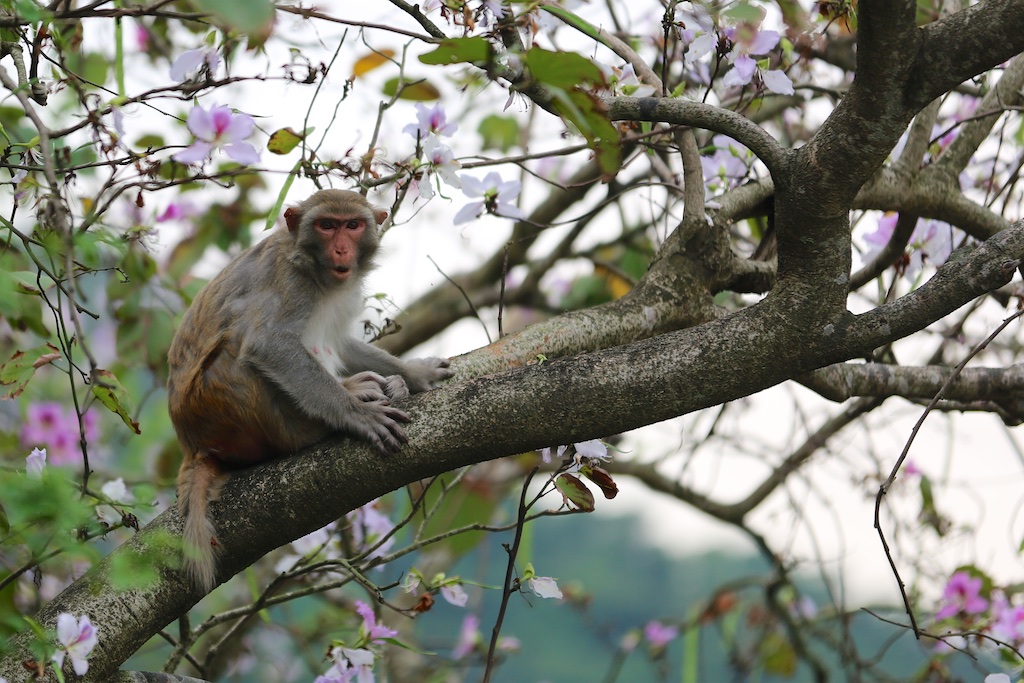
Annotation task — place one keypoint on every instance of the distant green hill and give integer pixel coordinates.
(629, 582)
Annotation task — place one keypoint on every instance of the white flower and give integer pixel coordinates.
(78, 638)
(35, 463)
(117, 491)
(545, 587)
(191, 61)
(496, 196)
(455, 594)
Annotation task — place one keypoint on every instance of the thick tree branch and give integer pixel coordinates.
(843, 381)
(471, 420)
(960, 46)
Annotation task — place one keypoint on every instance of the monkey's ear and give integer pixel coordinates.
(379, 215)
(292, 218)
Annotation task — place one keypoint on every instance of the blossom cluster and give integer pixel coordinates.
(56, 431)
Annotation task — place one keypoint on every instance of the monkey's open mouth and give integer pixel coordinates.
(341, 272)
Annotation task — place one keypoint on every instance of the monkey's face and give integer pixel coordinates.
(344, 238)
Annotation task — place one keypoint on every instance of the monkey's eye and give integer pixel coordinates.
(327, 224)
(354, 223)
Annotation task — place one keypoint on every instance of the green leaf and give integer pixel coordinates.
(29, 11)
(575, 492)
(744, 12)
(418, 90)
(778, 655)
(21, 311)
(284, 140)
(499, 132)
(17, 371)
(460, 50)
(243, 15)
(601, 134)
(94, 68)
(111, 393)
(564, 70)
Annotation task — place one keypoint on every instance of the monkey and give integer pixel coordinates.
(264, 362)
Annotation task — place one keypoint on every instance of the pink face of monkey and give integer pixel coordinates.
(342, 238)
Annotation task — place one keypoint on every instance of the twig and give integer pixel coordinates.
(887, 484)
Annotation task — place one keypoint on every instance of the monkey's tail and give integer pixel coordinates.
(199, 483)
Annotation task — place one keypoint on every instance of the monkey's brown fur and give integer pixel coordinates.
(263, 363)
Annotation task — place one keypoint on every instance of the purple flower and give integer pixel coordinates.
(430, 120)
(496, 197)
(77, 639)
(962, 596)
(659, 635)
(931, 241)
(35, 463)
(218, 128)
(374, 631)
(727, 166)
(369, 526)
(178, 210)
(1009, 620)
(48, 424)
(753, 42)
(469, 636)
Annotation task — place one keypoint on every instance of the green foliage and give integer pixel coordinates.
(45, 513)
(744, 11)
(246, 16)
(563, 73)
(109, 391)
(17, 371)
(476, 50)
(284, 140)
(139, 567)
(20, 305)
(415, 90)
(499, 132)
(575, 491)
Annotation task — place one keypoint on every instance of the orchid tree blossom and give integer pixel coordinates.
(77, 638)
(747, 41)
(430, 120)
(496, 197)
(219, 128)
(191, 62)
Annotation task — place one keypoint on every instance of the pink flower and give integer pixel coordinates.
(931, 241)
(369, 526)
(77, 639)
(658, 634)
(218, 128)
(430, 120)
(469, 636)
(178, 210)
(48, 424)
(962, 596)
(373, 630)
(1009, 620)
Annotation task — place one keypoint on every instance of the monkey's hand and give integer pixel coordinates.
(367, 386)
(396, 388)
(373, 417)
(422, 373)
